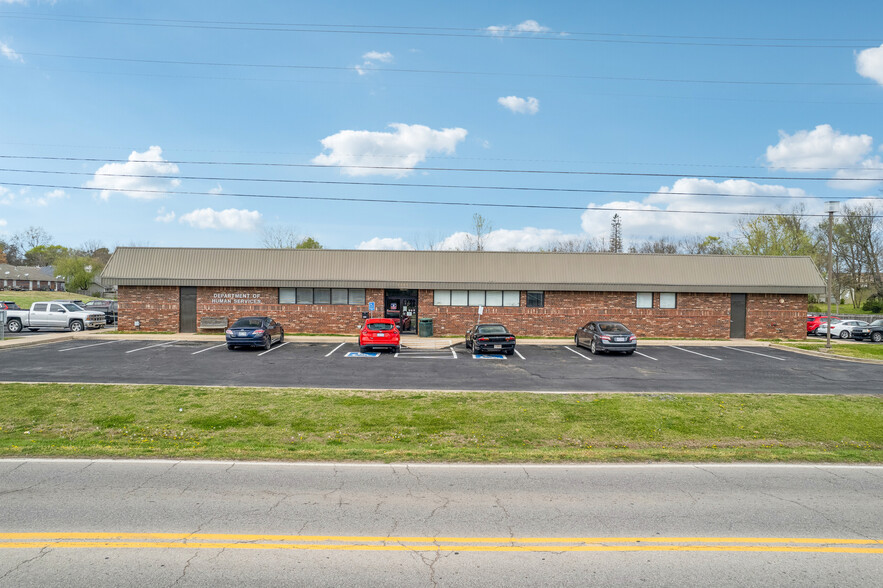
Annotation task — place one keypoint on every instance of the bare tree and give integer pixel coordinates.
(616, 234)
(31, 237)
(280, 237)
(478, 240)
(577, 245)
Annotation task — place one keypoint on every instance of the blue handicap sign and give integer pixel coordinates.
(370, 307)
(363, 354)
(488, 356)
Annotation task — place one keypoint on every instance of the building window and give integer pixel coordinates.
(644, 300)
(535, 299)
(476, 298)
(668, 300)
(338, 296)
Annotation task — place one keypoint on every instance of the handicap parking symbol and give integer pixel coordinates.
(363, 354)
(488, 356)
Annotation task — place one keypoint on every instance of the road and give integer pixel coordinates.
(669, 368)
(158, 523)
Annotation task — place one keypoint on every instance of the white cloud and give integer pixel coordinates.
(6, 196)
(869, 64)
(526, 239)
(871, 169)
(230, 219)
(164, 217)
(407, 146)
(9, 53)
(46, 198)
(148, 163)
(520, 105)
(3, 222)
(370, 58)
(385, 57)
(528, 26)
(823, 147)
(216, 190)
(394, 244)
(642, 219)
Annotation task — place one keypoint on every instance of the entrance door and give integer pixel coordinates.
(401, 305)
(737, 316)
(187, 310)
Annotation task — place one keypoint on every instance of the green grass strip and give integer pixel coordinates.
(320, 425)
(859, 350)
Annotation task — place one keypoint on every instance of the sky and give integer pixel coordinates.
(389, 125)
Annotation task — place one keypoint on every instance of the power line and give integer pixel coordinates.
(427, 202)
(415, 185)
(464, 32)
(447, 72)
(447, 169)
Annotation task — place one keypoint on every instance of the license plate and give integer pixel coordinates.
(381, 334)
(619, 339)
(242, 334)
(492, 346)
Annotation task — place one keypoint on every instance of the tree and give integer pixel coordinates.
(280, 237)
(710, 245)
(616, 234)
(662, 245)
(31, 237)
(79, 272)
(308, 243)
(576, 245)
(477, 241)
(776, 234)
(43, 255)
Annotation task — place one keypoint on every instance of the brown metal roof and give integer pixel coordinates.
(154, 266)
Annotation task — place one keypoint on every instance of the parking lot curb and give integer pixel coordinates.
(826, 355)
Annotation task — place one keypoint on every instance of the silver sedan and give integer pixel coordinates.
(841, 329)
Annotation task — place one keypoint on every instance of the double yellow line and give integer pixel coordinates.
(36, 540)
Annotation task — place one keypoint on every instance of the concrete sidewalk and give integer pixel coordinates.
(407, 341)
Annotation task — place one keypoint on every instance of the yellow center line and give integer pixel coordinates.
(110, 540)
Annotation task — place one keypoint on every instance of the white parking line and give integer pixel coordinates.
(207, 348)
(647, 356)
(454, 353)
(335, 349)
(91, 345)
(272, 349)
(580, 354)
(695, 353)
(152, 346)
(756, 353)
(518, 354)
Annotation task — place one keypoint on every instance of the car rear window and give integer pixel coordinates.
(612, 328)
(248, 323)
(491, 330)
(380, 326)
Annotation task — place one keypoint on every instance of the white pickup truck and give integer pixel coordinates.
(53, 315)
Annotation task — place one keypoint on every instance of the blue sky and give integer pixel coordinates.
(130, 123)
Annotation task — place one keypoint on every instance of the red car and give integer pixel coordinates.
(380, 333)
(813, 322)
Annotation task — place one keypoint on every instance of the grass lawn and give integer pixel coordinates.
(76, 420)
(860, 350)
(25, 299)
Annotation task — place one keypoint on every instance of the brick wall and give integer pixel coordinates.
(155, 306)
(696, 315)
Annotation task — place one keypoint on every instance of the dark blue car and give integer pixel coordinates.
(254, 331)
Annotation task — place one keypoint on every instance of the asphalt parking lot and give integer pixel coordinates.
(538, 368)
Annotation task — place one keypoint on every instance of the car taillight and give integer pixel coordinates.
(510, 338)
(229, 332)
(483, 339)
(605, 338)
(633, 338)
(258, 332)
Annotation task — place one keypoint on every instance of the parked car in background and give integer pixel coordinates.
(110, 309)
(841, 329)
(9, 305)
(53, 315)
(607, 336)
(380, 333)
(490, 337)
(813, 322)
(873, 331)
(254, 331)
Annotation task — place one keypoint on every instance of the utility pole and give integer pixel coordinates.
(833, 206)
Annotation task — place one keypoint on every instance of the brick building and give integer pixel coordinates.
(534, 294)
(21, 277)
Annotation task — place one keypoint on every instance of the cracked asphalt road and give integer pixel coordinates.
(165, 523)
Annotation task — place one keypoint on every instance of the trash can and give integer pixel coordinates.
(424, 327)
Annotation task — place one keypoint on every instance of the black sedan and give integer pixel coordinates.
(874, 332)
(490, 337)
(254, 331)
(606, 336)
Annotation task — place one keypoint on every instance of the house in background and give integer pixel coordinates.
(22, 277)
